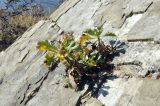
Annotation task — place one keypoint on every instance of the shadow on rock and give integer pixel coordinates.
(103, 73)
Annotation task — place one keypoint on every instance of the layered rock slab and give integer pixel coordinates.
(25, 80)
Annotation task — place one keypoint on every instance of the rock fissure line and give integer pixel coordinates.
(24, 96)
(101, 6)
(67, 11)
(130, 101)
(158, 97)
(20, 50)
(144, 40)
(34, 92)
(141, 40)
(137, 63)
(56, 24)
(38, 28)
(24, 57)
(1, 80)
(134, 13)
(39, 80)
(29, 95)
(97, 10)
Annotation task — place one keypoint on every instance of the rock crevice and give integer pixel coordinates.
(125, 17)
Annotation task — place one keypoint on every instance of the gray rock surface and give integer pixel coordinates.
(25, 80)
(137, 95)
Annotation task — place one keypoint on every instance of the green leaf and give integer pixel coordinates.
(94, 32)
(45, 45)
(75, 48)
(49, 59)
(93, 55)
(85, 38)
(70, 45)
(91, 62)
(110, 34)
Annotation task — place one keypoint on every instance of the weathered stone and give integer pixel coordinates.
(146, 27)
(93, 102)
(25, 80)
(115, 88)
(143, 94)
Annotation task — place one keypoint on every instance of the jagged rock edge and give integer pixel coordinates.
(134, 13)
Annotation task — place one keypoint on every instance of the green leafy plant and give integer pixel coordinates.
(85, 58)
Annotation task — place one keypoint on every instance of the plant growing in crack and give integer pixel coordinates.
(87, 60)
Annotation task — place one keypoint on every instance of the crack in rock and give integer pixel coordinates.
(144, 40)
(25, 94)
(29, 93)
(134, 13)
(32, 89)
(1, 80)
(21, 61)
(34, 92)
(129, 101)
(101, 6)
(67, 11)
(56, 24)
(97, 10)
(20, 50)
(138, 63)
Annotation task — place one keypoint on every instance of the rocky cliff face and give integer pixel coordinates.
(25, 80)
